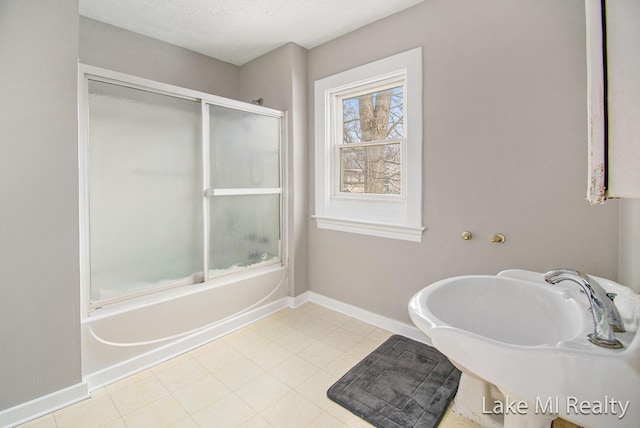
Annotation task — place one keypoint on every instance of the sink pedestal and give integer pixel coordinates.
(468, 401)
(528, 421)
(483, 403)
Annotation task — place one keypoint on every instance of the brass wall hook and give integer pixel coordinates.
(466, 235)
(498, 238)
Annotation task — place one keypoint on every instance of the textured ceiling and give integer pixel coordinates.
(238, 31)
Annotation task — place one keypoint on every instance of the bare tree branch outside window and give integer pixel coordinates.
(370, 153)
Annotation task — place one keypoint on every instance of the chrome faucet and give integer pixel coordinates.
(606, 317)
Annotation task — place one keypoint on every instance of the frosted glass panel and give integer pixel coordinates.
(244, 149)
(245, 230)
(145, 210)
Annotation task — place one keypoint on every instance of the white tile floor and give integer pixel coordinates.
(273, 373)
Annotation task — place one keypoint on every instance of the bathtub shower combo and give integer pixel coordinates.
(182, 228)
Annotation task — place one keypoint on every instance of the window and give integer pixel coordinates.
(370, 124)
(369, 149)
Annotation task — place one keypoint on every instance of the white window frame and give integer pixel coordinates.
(388, 216)
(337, 131)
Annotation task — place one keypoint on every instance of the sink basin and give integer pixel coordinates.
(528, 338)
(500, 308)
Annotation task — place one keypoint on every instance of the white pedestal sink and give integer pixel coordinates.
(528, 339)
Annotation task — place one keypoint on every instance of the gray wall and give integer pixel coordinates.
(629, 245)
(280, 78)
(504, 150)
(110, 47)
(39, 273)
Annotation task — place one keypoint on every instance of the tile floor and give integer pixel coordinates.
(273, 373)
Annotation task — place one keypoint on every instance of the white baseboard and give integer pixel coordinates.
(301, 299)
(372, 318)
(43, 405)
(49, 403)
(144, 361)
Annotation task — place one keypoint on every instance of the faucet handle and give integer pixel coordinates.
(618, 327)
(606, 317)
(498, 238)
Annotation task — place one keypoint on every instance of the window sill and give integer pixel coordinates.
(382, 230)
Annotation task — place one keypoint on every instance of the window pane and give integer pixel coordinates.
(245, 230)
(371, 169)
(244, 149)
(145, 210)
(374, 116)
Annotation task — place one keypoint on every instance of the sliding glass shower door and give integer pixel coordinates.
(244, 197)
(179, 189)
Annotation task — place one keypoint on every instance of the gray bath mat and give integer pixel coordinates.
(401, 384)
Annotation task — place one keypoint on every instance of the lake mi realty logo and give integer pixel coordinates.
(550, 405)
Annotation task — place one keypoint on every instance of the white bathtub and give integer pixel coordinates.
(127, 338)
